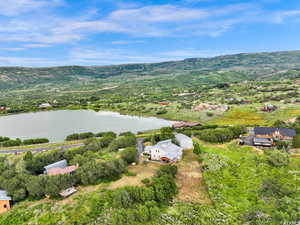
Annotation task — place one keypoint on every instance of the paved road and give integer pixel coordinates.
(140, 147)
(40, 149)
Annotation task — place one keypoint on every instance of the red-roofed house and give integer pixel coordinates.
(59, 171)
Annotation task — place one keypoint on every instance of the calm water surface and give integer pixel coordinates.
(56, 125)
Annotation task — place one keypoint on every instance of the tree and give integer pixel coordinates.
(36, 186)
(28, 156)
(166, 133)
(197, 148)
(129, 154)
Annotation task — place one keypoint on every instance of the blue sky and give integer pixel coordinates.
(105, 32)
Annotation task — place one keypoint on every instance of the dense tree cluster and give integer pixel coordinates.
(86, 135)
(7, 142)
(220, 135)
(141, 204)
(122, 142)
(21, 178)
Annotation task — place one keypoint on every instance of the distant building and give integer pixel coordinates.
(2, 108)
(269, 108)
(164, 103)
(264, 142)
(275, 133)
(185, 124)
(184, 141)
(206, 106)
(5, 201)
(60, 167)
(45, 106)
(164, 151)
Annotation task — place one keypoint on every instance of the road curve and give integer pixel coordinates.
(40, 149)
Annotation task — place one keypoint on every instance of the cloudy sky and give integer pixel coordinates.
(104, 32)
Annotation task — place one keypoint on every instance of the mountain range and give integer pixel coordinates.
(244, 66)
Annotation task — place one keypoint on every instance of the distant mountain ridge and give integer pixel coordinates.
(267, 65)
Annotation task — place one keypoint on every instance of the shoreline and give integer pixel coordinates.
(97, 113)
(108, 111)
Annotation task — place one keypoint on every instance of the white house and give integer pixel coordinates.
(165, 151)
(45, 106)
(184, 141)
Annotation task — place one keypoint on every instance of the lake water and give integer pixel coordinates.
(56, 125)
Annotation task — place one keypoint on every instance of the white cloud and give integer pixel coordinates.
(155, 21)
(12, 49)
(37, 46)
(134, 21)
(127, 42)
(15, 7)
(162, 13)
(280, 17)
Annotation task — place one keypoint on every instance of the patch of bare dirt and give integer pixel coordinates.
(192, 187)
(141, 171)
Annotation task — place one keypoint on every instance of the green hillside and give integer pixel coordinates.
(246, 66)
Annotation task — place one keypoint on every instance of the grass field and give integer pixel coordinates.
(241, 116)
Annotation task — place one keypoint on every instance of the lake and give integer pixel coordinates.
(56, 125)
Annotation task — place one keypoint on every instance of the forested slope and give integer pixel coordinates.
(261, 66)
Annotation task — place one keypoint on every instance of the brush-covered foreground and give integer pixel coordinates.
(244, 187)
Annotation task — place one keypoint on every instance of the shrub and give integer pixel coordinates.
(296, 141)
(213, 162)
(209, 114)
(129, 154)
(35, 141)
(122, 142)
(220, 135)
(197, 148)
(278, 158)
(106, 134)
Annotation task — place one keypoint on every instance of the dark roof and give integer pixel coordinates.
(269, 130)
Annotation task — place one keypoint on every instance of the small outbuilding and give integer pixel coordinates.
(60, 164)
(184, 141)
(5, 202)
(68, 192)
(45, 106)
(60, 167)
